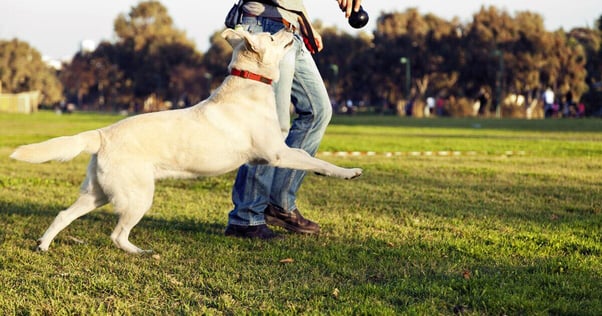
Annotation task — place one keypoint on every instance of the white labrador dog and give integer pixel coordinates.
(237, 124)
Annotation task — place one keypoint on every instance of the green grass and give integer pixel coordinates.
(490, 233)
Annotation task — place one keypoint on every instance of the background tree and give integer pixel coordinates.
(591, 40)
(495, 54)
(345, 68)
(572, 60)
(524, 53)
(94, 80)
(428, 43)
(391, 42)
(216, 59)
(150, 49)
(487, 43)
(22, 69)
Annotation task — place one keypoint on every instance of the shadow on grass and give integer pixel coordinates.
(372, 273)
(37, 218)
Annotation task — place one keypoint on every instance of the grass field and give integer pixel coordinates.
(511, 224)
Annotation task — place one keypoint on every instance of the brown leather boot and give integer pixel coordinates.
(258, 232)
(292, 221)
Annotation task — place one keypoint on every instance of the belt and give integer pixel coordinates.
(287, 25)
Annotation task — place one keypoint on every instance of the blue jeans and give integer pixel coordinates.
(300, 84)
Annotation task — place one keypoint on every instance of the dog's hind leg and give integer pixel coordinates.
(91, 197)
(131, 203)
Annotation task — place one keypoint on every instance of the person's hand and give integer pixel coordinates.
(348, 6)
(319, 42)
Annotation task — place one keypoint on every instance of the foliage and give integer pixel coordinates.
(488, 233)
(22, 69)
(591, 41)
(346, 65)
(427, 42)
(93, 78)
(151, 62)
(216, 59)
(495, 54)
(152, 65)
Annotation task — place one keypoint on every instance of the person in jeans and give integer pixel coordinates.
(264, 194)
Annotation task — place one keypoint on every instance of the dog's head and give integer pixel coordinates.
(260, 52)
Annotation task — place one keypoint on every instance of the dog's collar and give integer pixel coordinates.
(249, 75)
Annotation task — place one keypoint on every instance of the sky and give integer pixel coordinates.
(57, 28)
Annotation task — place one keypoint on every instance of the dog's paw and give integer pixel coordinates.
(354, 173)
(40, 247)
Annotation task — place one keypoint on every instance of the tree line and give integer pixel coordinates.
(409, 58)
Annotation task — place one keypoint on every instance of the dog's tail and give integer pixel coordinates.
(61, 148)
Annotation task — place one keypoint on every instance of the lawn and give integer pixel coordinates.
(451, 216)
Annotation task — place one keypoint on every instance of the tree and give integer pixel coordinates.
(591, 40)
(496, 53)
(215, 60)
(428, 43)
(517, 55)
(149, 49)
(486, 43)
(94, 79)
(22, 69)
(392, 41)
(150, 66)
(345, 64)
(148, 26)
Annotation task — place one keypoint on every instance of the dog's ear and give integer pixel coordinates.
(284, 36)
(232, 37)
(235, 37)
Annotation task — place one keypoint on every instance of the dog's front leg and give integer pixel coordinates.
(294, 158)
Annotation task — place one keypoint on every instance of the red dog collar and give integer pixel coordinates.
(249, 75)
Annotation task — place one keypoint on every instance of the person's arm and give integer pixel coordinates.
(317, 36)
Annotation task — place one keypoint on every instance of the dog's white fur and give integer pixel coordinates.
(237, 124)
